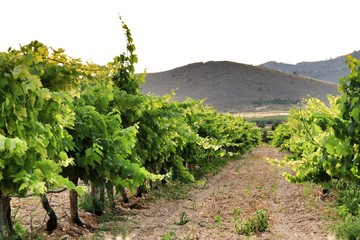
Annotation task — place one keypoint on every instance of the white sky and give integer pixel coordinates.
(173, 33)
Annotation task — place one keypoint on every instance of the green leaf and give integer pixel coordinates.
(20, 71)
(46, 166)
(355, 113)
(2, 142)
(23, 186)
(2, 163)
(19, 176)
(63, 156)
(20, 112)
(16, 89)
(330, 144)
(39, 188)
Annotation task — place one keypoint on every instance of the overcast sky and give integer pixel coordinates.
(173, 33)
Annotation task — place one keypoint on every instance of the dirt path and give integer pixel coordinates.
(246, 185)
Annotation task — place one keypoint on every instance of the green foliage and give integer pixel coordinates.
(123, 66)
(236, 214)
(211, 166)
(174, 190)
(33, 142)
(348, 229)
(268, 120)
(60, 119)
(224, 133)
(86, 202)
(302, 134)
(20, 229)
(218, 219)
(325, 146)
(348, 200)
(168, 236)
(259, 222)
(174, 137)
(325, 140)
(347, 214)
(184, 219)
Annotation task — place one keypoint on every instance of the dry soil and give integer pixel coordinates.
(297, 211)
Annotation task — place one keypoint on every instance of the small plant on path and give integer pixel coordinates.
(218, 219)
(183, 219)
(168, 236)
(257, 223)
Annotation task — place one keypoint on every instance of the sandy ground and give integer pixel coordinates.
(297, 211)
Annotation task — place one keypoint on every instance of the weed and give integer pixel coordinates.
(19, 228)
(201, 184)
(193, 205)
(168, 236)
(109, 216)
(259, 186)
(34, 229)
(347, 216)
(114, 229)
(247, 192)
(213, 167)
(174, 191)
(86, 202)
(348, 229)
(308, 189)
(274, 187)
(183, 219)
(257, 223)
(236, 214)
(218, 219)
(349, 198)
(281, 208)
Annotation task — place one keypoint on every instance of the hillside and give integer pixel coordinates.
(329, 70)
(235, 87)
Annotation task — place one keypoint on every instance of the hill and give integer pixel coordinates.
(329, 70)
(235, 87)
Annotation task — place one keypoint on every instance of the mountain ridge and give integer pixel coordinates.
(236, 87)
(328, 70)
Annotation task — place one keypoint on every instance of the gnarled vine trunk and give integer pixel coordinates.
(98, 203)
(6, 226)
(74, 213)
(51, 224)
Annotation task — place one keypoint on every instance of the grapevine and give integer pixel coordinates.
(63, 121)
(325, 140)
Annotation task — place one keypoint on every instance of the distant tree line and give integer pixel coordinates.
(279, 101)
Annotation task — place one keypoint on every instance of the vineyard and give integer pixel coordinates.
(324, 142)
(87, 129)
(64, 122)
